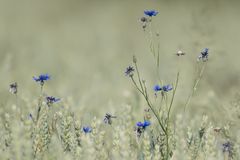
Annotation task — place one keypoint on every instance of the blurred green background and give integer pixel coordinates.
(85, 45)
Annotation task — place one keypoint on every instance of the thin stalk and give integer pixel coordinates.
(195, 87)
(41, 89)
(168, 114)
(135, 84)
(160, 106)
(139, 79)
(158, 57)
(174, 92)
(150, 105)
(40, 101)
(39, 108)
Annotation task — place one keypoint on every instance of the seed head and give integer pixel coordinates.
(13, 88)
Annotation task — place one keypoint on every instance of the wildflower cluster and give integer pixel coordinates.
(39, 130)
(161, 112)
(164, 88)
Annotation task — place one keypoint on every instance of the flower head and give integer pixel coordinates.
(87, 129)
(164, 88)
(129, 71)
(41, 78)
(204, 55)
(157, 88)
(227, 147)
(13, 88)
(150, 13)
(143, 124)
(108, 118)
(140, 127)
(51, 100)
(167, 88)
(143, 19)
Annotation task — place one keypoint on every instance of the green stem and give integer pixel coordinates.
(174, 92)
(150, 105)
(194, 87)
(135, 84)
(168, 114)
(139, 79)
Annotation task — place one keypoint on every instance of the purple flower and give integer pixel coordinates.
(204, 55)
(167, 88)
(150, 13)
(51, 100)
(87, 129)
(41, 78)
(157, 88)
(143, 124)
(129, 71)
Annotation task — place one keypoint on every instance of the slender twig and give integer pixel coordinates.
(39, 108)
(139, 79)
(158, 57)
(195, 87)
(174, 92)
(168, 114)
(135, 84)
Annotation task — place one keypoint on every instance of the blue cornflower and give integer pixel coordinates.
(42, 78)
(51, 100)
(129, 71)
(167, 88)
(157, 88)
(87, 129)
(143, 124)
(204, 55)
(150, 13)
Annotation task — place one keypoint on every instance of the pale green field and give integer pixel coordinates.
(86, 46)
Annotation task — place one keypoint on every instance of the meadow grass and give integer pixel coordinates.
(46, 127)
